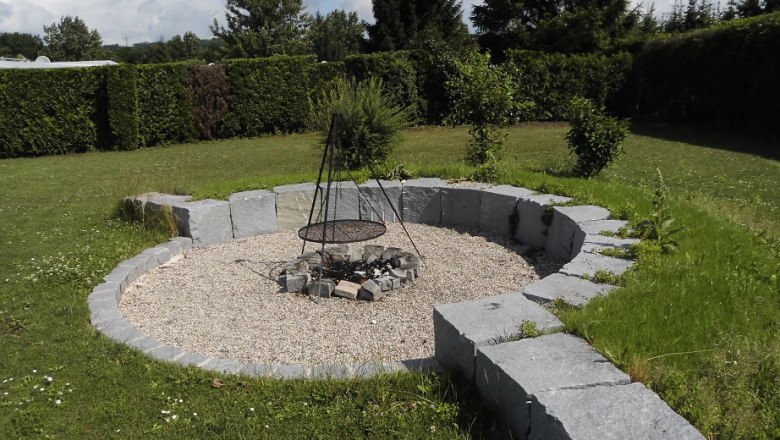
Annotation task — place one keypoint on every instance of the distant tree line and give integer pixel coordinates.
(259, 28)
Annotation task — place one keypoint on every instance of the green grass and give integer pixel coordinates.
(699, 326)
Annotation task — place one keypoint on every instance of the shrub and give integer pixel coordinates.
(367, 125)
(594, 137)
(266, 95)
(207, 91)
(483, 97)
(165, 112)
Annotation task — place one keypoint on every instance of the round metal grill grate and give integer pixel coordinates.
(342, 231)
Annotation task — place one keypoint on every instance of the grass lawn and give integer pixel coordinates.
(699, 326)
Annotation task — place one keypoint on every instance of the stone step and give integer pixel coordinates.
(565, 236)
(459, 329)
(421, 200)
(253, 213)
(574, 291)
(532, 221)
(595, 243)
(293, 205)
(205, 221)
(460, 206)
(497, 213)
(588, 264)
(606, 412)
(509, 375)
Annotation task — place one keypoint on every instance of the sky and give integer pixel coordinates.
(135, 21)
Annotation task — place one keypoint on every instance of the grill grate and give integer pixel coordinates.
(342, 231)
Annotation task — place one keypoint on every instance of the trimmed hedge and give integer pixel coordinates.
(724, 76)
(397, 73)
(551, 80)
(207, 91)
(48, 111)
(164, 110)
(266, 95)
(321, 76)
(122, 107)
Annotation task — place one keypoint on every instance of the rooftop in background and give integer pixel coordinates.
(44, 63)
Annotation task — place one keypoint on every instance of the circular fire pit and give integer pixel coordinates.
(221, 301)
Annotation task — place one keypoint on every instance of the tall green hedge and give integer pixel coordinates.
(727, 76)
(551, 80)
(48, 111)
(397, 72)
(207, 91)
(122, 107)
(321, 76)
(164, 110)
(266, 95)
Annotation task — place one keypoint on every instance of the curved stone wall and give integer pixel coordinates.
(548, 387)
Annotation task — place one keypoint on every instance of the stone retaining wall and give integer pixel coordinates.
(553, 386)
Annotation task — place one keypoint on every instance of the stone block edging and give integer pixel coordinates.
(465, 342)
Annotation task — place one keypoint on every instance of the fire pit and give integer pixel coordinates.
(366, 272)
(349, 271)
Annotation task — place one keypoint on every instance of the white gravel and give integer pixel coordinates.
(219, 301)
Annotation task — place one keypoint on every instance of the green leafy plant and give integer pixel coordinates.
(398, 172)
(483, 96)
(594, 137)
(368, 125)
(527, 329)
(660, 226)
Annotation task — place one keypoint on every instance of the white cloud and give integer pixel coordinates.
(135, 20)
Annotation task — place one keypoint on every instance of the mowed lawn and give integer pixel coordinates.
(699, 326)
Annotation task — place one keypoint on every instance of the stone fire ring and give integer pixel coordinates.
(397, 268)
(563, 381)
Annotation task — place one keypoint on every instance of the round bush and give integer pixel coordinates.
(368, 125)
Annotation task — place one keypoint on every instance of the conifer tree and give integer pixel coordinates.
(401, 24)
(259, 28)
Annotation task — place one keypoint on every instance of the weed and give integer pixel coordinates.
(606, 277)
(526, 330)
(619, 252)
(12, 326)
(558, 307)
(547, 215)
(659, 227)
(487, 172)
(398, 172)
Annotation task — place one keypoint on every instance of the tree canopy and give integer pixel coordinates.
(400, 24)
(71, 40)
(259, 28)
(336, 35)
(13, 44)
(572, 26)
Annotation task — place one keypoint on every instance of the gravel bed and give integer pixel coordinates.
(220, 301)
